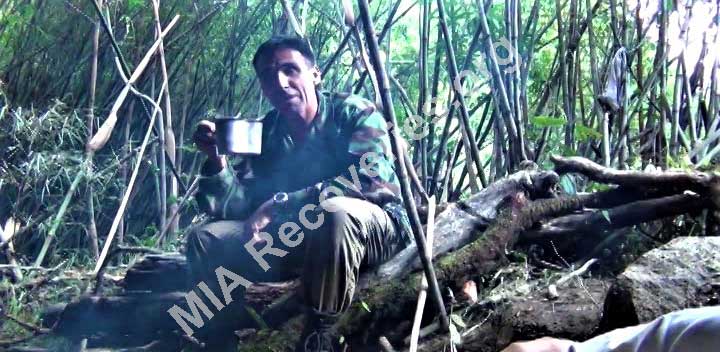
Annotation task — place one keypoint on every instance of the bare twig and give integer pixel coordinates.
(575, 273)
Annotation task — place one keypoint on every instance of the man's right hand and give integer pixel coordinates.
(204, 138)
(545, 344)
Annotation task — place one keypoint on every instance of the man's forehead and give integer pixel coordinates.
(280, 57)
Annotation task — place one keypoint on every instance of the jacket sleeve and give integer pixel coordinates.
(686, 330)
(223, 196)
(370, 174)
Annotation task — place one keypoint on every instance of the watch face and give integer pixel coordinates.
(281, 197)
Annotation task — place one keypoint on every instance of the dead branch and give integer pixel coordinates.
(698, 182)
(598, 222)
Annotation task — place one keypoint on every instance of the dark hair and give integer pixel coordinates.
(284, 42)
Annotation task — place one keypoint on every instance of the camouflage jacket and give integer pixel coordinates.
(348, 147)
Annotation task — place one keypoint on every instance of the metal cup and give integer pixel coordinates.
(236, 136)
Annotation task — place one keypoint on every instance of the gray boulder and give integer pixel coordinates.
(683, 273)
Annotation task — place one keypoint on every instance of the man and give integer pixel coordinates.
(320, 149)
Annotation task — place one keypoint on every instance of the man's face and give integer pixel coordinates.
(288, 80)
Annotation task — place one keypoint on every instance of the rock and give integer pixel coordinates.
(575, 314)
(522, 312)
(681, 274)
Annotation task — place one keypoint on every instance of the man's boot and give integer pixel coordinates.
(318, 333)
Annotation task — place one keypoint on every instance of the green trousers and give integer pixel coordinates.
(342, 236)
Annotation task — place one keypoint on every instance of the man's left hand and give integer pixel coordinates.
(259, 219)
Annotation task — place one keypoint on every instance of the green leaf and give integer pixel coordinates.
(256, 317)
(583, 133)
(567, 184)
(134, 4)
(547, 121)
(365, 306)
(457, 320)
(606, 215)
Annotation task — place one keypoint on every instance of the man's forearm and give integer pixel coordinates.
(214, 165)
(221, 194)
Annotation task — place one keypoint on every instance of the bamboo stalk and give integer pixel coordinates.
(389, 23)
(90, 122)
(554, 78)
(61, 213)
(169, 146)
(291, 18)
(444, 135)
(133, 177)
(337, 53)
(400, 165)
(350, 22)
(642, 123)
(422, 83)
(127, 153)
(625, 117)
(517, 78)
(125, 68)
(158, 152)
(445, 188)
(500, 94)
(675, 122)
(527, 58)
(468, 138)
(103, 134)
(456, 154)
(596, 90)
(564, 74)
(414, 178)
(422, 295)
(191, 191)
(432, 180)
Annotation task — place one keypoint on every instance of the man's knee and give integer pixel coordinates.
(198, 243)
(338, 215)
(206, 238)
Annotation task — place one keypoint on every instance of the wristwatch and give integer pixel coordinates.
(280, 198)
